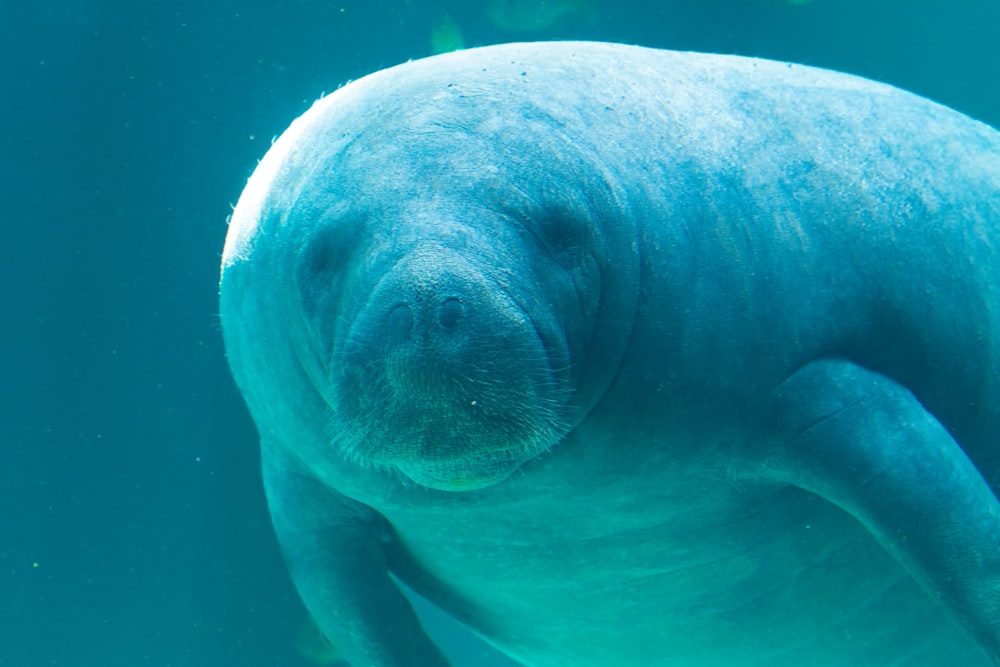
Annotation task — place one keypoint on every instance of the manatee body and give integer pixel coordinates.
(628, 357)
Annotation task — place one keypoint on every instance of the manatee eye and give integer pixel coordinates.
(563, 236)
(322, 260)
(322, 255)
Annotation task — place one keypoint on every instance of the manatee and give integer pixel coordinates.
(629, 357)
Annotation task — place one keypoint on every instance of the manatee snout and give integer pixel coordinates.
(438, 316)
(443, 376)
(424, 306)
(428, 315)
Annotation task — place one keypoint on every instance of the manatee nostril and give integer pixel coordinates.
(450, 313)
(400, 322)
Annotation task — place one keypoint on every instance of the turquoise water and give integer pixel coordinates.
(133, 528)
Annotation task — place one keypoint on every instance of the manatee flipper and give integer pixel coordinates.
(864, 442)
(335, 556)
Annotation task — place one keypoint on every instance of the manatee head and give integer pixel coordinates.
(443, 363)
(446, 281)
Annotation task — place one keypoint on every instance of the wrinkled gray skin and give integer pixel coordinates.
(628, 357)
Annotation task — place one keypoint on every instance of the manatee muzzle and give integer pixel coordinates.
(443, 376)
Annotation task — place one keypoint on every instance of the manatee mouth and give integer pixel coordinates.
(454, 397)
(445, 423)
